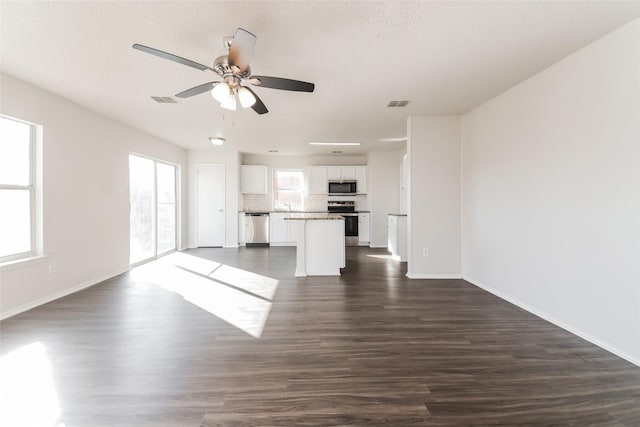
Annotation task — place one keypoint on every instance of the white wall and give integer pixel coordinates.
(85, 196)
(384, 192)
(433, 211)
(231, 161)
(551, 193)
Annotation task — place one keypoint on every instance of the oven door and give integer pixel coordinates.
(351, 229)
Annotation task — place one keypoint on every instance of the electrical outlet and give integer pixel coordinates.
(52, 267)
(425, 251)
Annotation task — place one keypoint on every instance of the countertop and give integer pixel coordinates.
(314, 216)
(299, 211)
(397, 214)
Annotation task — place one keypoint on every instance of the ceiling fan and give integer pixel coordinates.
(235, 72)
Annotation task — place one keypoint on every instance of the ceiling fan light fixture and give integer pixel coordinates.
(221, 92)
(229, 103)
(246, 97)
(216, 140)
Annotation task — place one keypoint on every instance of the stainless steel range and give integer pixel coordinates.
(347, 208)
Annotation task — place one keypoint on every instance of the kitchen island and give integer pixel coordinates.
(320, 244)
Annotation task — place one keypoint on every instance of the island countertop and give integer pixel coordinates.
(313, 217)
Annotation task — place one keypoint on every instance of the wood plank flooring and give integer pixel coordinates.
(368, 348)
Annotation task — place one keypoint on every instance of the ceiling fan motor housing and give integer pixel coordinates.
(222, 67)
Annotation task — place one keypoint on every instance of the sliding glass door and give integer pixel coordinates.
(153, 208)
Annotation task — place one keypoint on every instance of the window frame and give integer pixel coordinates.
(288, 189)
(34, 187)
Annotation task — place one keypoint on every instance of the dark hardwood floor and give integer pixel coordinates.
(368, 348)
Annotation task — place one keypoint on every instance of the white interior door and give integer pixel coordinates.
(210, 205)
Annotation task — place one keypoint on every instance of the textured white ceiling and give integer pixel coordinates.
(444, 57)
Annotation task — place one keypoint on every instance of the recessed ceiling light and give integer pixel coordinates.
(398, 139)
(217, 140)
(334, 143)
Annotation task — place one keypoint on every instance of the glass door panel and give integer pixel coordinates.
(142, 216)
(153, 208)
(166, 180)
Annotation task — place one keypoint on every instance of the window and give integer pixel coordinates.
(19, 195)
(288, 189)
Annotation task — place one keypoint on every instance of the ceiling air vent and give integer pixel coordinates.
(164, 99)
(397, 103)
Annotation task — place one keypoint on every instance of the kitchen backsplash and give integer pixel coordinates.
(257, 202)
(264, 202)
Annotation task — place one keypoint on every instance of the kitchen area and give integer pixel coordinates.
(315, 189)
(276, 193)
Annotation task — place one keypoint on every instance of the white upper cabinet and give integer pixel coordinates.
(348, 173)
(334, 173)
(342, 173)
(317, 180)
(253, 179)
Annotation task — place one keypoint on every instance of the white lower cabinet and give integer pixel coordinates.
(242, 239)
(397, 236)
(364, 229)
(282, 232)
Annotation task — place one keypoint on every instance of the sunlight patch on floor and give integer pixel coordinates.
(189, 262)
(389, 256)
(239, 297)
(257, 284)
(27, 393)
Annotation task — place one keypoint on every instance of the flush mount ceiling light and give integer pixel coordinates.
(216, 140)
(334, 143)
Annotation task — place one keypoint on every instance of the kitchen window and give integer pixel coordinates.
(20, 196)
(288, 189)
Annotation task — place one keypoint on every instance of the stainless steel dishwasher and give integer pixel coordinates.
(257, 228)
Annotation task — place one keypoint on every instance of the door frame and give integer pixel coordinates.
(196, 201)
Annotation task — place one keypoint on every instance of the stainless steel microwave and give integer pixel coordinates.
(343, 187)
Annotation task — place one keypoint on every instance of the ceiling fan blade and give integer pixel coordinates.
(259, 106)
(171, 57)
(284, 84)
(241, 49)
(197, 90)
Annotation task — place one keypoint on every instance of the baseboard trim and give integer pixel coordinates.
(230, 246)
(25, 307)
(434, 276)
(551, 319)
